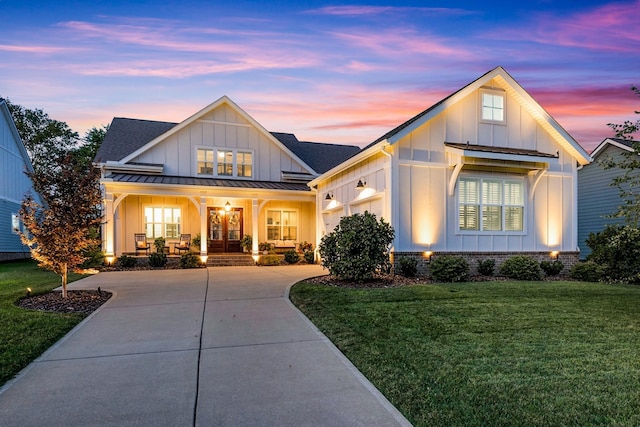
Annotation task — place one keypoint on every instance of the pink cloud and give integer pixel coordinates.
(47, 50)
(359, 10)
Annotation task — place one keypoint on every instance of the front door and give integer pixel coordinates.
(224, 230)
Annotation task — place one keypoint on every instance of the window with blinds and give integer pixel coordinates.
(490, 204)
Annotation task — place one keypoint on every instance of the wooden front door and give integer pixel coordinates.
(224, 230)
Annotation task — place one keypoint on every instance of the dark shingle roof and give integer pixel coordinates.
(208, 182)
(127, 135)
(320, 156)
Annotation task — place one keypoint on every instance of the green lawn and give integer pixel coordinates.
(491, 353)
(25, 334)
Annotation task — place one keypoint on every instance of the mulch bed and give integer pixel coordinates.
(77, 301)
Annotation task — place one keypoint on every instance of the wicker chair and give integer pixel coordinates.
(183, 245)
(141, 243)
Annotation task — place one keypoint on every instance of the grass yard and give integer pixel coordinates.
(25, 334)
(491, 353)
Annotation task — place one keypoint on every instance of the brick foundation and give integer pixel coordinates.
(569, 259)
(14, 256)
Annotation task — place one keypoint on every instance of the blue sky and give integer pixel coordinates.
(329, 72)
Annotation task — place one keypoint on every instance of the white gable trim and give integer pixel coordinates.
(16, 135)
(198, 116)
(609, 141)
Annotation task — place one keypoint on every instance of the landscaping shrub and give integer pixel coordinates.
(269, 260)
(617, 250)
(310, 257)
(190, 260)
(486, 267)
(358, 247)
(264, 246)
(521, 267)
(291, 256)
(94, 257)
(305, 246)
(126, 261)
(157, 259)
(587, 271)
(408, 266)
(449, 268)
(159, 243)
(551, 268)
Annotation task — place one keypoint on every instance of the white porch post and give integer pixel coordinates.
(255, 213)
(108, 229)
(203, 226)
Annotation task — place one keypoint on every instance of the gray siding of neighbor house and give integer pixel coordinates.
(596, 198)
(10, 245)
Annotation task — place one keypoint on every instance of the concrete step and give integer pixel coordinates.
(230, 260)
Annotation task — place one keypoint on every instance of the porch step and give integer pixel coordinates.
(230, 260)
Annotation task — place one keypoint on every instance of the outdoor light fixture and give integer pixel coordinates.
(329, 196)
(109, 260)
(227, 206)
(427, 256)
(28, 291)
(362, 183)
(554, 255)
(203, 259)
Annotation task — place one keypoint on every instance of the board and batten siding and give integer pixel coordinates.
(221, 128)
(596, 198)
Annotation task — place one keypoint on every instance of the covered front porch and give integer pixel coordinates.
(220, 212)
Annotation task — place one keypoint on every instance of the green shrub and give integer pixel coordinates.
(126, 261)
(358, 247)
(521, 267)
(587, 271)
(551, 268)
(449, 268)
(190, 260)
(291, 256)
(94, 257)
(247, 242)
(269, 260)
(408, 266)
(305, 246)
(617, 250)
(158, 259)
(310, 257)
(486, 267)
(264, 246)
(195, 242)
(159, 243)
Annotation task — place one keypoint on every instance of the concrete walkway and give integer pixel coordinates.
(207, 347)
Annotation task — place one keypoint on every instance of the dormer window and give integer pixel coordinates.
(492, 108)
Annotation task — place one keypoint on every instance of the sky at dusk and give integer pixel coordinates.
(326, 71)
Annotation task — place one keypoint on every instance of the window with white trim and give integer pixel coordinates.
(244, 160)
(282, 224)
(15, 223)
(224, 162)
(490, 204)
(205, 161)
(162, 222)
(492, 106)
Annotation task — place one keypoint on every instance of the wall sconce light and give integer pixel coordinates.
(427, 256)
(227, 206)
(329, 196)
(554, 255)
(362, 183)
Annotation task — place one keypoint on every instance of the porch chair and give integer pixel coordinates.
(141, 243)
(183, 245)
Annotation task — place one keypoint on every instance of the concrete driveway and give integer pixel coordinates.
(207, 347)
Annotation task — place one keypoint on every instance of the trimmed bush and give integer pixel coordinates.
(408, 266)
(551, 268)
(449, 268)
(269, 260)
(126, 261)
(157, 259)
(521, 267)
(310, 257)
(486, 267)
(358, 247)
(291, 256)
(587, 271)
(617, 250)
(190, 260)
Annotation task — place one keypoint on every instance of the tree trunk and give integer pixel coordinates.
(64, 281)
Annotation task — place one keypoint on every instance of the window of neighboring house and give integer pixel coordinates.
(490, 204)
(205, 161)
(162, 222)
(15, 223)
(244, 160)
(282, 224)
(493, 106)
(225, 163)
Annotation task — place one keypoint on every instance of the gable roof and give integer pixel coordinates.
(624, 144)
(513, 89)
(320, 156)
(4, 110)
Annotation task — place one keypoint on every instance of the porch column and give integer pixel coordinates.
(203, 226)
(108, 228)
(255, 213)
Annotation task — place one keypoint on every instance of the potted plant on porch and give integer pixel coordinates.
(247, 243)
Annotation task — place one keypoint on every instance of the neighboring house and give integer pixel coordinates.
(218, 173)
(597, 199)
(14, 184)
(484, 173)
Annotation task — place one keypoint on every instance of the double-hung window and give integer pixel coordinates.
(244, 160)
(224, 162)
(162, 222)
(490, 204)
(282, 224)
(205, 161)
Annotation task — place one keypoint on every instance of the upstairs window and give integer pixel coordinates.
(224, 162)
(493, 106)
(205, 161)
(490, 204)
(245, 163)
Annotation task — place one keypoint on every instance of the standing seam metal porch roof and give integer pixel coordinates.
(208, 182)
